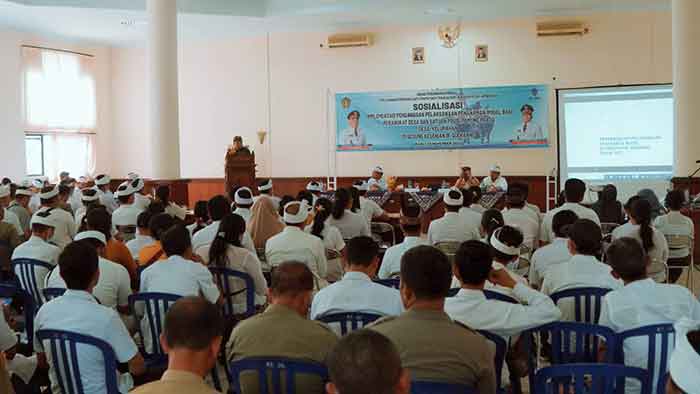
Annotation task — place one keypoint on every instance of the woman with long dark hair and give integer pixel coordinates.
(226, 251)
(332, 239)
(491, 220)
(607, 207)
(349, 224)
(172, 209)
(653, 241)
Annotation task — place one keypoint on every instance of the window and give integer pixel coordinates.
(59, 112)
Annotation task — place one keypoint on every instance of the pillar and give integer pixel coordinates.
(163, 89)
(686, 84)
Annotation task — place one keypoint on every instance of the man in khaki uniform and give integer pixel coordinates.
(283, 330)
(432, 346)
(192, 337)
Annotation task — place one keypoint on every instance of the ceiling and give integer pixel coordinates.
(124, 22)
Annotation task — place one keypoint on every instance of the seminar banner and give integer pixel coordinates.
(461, 118)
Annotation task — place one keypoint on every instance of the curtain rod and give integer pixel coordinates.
(58, 50)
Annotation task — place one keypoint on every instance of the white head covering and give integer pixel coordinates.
(313, 186)
(23, 192)
(49, 194)
(301, 215)
(102, 179)
(501, 247)
(495, 168)
(464, 164)
(453, 202)
(87, 198)
(43, 217)
(125, 189)
(4, 191)
(685, 361)
(243, 201)
(38, 183)
(267, 185)
(378, 169)
(91, 235)
(138, 184)
(133, 175)
(25, 183)
(362, 186)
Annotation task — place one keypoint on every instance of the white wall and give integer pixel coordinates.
(12, 148)
(223, 90)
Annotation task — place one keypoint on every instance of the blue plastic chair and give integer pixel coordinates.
(494, 295)
(590, 297)
(588, 378)
(349, 321)
(423, 387)
(223, 277)
(499, 357)
(273, 369)
(52, 292)
(394, 283)
(155, 306)
(662, 336)
(14, 291)
(64, 359)
(25, 270)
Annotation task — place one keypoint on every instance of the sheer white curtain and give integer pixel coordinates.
(60, 103)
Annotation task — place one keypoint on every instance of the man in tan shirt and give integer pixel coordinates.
(191, 337)
(283, 330)
(432, 346)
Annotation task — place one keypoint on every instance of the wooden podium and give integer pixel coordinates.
(240, 170)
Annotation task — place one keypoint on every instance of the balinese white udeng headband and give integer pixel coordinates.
(5, 191)
(313, 187)
(49, 194)
(86, 198)
(24, 192)
(299, 217)
(684, 359)
(265, 186)
(501, 247)
(453, 202)
(243, 201)
(91, 235)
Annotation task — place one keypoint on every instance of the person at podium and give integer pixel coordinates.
(238, 148)
(494, 183)
(466, 179)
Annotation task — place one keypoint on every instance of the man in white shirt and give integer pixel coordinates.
(315, 188)
(10, 216)
(265, 189)
(410, 224)
(641, 302)
(141, 201)
(520, 217)
(143, 235)
(473, 267)
(368, 208)
(377, 182)
(356, 292)
(113, 286)
(467, 212)
(494, 182)
(244, 200)
(684, 370)
(77, 311)
(293, 244)
(675, 224)
(106, 196)
(37, 247)
(128, 212)
(64, 225)
(451, 227)
(178, 274)
(583, 270)
(554, 253)
(531, 209)
(574, 191)
(218, 207)
(20, 207)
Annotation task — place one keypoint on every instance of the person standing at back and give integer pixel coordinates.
(574, 190)
(641, 302)
(675, 224)
(431, 345)
(451, 227)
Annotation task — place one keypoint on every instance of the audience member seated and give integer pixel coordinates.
(452, 227)
(265, 222)
(293, 244)
(64, 226)
(369, 209)
(20, 207)
(470, 307)
(158, 224)
(505, 245)
(519, 216)
(584, 269)
(349, 223)
(607, 207)
(227, 252)
(9, 217)
(265, 189)
(141, 201)
(201, 217)
(284, 330)
(656, 208)
(684, 374)
(115, 250)
(8, 232)
(143, 236)
(431, 345)
(332, 239)
(472, 217)
(574, 190)
(525, 190)
(315, 188)
(356, 292)
(243, 200)
(79, 311)
(107, 198)
(491, 220)
(641, 302)
(554, 253)
(476, 199)
(410, 225)
(305, 195)
(286, 199)
(191, 337)
(37, 246)
(218, 207)
(654, 242)
(89, 199)
(64, 193)
(128, 212)
(676, 224)
(366, 360)
(172, 209)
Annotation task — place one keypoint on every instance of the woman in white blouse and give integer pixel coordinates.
(349, 224)
(332, 239)
(675, 224)
(226, 251)
(172, 209)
